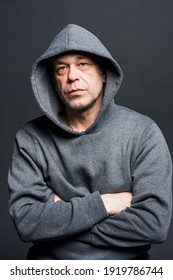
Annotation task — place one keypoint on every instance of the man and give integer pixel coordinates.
(89, 179)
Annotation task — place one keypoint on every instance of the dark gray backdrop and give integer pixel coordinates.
(138, 33)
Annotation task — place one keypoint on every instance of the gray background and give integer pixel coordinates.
(138, 33)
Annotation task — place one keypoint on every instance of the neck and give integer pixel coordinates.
(81, 120)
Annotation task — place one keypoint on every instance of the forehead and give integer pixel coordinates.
(73, 56)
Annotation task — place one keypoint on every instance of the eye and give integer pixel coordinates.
(83, 65)
(61, 70)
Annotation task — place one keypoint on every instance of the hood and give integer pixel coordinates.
(72, 38)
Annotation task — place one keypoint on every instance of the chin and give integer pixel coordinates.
(82, 107)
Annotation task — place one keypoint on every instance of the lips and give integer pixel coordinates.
(74, 91)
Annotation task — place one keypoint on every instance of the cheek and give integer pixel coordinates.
(94, 80)
(58, 85)
(98, 83)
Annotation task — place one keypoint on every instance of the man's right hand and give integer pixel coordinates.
(116, 202)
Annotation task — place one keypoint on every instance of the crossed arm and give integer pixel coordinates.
(38, 217)
(113, 202)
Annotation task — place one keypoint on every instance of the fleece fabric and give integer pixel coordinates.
(121, 151)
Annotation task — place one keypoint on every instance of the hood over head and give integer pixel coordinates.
(72, 38)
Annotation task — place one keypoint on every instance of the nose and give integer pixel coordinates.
(73, 73)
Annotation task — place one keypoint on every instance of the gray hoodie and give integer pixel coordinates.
(121, 151)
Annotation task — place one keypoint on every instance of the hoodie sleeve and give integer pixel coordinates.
(147, 221)
(35, 215)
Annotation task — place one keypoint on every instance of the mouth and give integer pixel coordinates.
(75, 91)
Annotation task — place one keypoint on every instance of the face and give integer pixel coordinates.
(79, 81)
